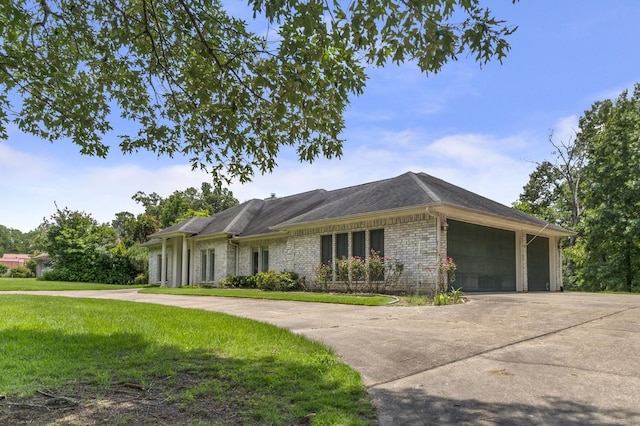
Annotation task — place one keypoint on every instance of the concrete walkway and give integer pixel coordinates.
(537, 358)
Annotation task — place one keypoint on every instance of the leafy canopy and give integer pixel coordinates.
(611, 227)
(200, 83)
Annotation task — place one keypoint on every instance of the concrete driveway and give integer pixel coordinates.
(537, 358)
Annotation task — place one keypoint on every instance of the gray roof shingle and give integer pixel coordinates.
(260, 217)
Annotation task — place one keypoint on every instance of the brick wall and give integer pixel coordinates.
(409, 238)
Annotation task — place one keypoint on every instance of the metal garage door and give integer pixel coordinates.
(485, 257)
(537, 263)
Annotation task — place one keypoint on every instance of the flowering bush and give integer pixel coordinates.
(352, 272)
(447, 273)
(322, 276)
(375, 274)
(384, 272)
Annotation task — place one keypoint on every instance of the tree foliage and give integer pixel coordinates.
(80, 249)
(182, 205)
(593, 187)
(553, 192)
(15, 241)
(200, 83)
(611, 227)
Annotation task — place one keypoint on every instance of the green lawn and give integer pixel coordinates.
(210, 368)
(31, 284)
(276, 295)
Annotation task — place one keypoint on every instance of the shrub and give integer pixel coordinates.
(322, 276)
(3, 269)
(53, 275)
(384, 272)
(238, 281)
(21, 272)
(441, 299)
(277, 281)
(375, 274)
(453, 297)
(352, 271)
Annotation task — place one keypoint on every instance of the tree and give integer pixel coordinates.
(611, 227)
(83, 250)
(182, 205)
(14, 241)
(542, 194)
(554, 193)
(198, 82)
(554, 189)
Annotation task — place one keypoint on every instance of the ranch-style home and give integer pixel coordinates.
(414, 217)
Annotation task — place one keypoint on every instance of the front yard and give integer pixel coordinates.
(82, 361)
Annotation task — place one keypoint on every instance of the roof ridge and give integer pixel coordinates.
(241, 213)
(188, 222)
(425, 187)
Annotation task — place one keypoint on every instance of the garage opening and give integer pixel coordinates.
(485, 257)
(537, 263)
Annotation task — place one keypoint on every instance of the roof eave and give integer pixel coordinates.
(167, 235)
(498, 221)
(355, 217)
(274, 234)
(214, 235)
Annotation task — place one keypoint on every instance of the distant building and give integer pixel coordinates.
(42, 264)
(12, 260)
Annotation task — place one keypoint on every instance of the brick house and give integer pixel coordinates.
(414, 217)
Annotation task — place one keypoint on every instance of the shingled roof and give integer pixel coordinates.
(262, 217)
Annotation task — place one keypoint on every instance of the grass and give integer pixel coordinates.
(347, 299)
(212, 368)
(31, 284)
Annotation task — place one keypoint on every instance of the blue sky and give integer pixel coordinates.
(479, 128)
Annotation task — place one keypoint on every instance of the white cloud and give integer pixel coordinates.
(479, 163)
(565, 129)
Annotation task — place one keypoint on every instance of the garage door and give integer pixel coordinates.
(485, 257)
(537, 263)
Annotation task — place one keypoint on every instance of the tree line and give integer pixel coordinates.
(81, 249)
(592, 185)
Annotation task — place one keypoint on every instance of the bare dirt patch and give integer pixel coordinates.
(120, 404)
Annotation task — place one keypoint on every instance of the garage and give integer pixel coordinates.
(485, 257)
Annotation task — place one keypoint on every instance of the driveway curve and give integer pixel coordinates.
(535, 358)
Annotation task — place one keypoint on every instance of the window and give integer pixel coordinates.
(212, 265)
(259, 259)
(326, 250)
(265, 259)
(203, 265)
(255, 261)
(358, 245)
(376, 241)
(342, 246)
(159, 268)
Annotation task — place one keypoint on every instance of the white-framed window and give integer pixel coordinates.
(212, 265)
(203, 265)
(259, 259)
